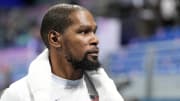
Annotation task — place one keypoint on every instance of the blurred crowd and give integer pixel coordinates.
(20, 27)
(141, 20)
(146, 20)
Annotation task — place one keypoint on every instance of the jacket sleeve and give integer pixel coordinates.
(105, 86)
(9, 95)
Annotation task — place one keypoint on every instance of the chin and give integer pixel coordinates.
(87, 65)
(92, 65)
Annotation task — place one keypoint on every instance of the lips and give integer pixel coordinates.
(94, 52)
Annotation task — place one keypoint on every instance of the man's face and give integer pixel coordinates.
(80, 42)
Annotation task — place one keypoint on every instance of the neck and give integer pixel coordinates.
(62, 68)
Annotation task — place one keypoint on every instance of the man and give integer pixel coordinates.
(58, 73)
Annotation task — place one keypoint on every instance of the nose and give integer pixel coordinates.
(94, 40)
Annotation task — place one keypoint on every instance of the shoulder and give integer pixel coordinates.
(16, 91)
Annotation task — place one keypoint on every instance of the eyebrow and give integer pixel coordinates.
(87, 26)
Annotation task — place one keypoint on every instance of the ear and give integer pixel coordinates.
(54, 39)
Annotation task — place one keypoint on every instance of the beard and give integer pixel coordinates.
(84, 64)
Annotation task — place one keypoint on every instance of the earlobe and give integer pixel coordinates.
(54, 39)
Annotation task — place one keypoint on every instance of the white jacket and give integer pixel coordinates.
(37, 84)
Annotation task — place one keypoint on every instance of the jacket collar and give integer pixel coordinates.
(39, 74)
(40, 78)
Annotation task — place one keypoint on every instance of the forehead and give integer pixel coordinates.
(82, 18)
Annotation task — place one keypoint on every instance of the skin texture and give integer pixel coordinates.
(77, 42)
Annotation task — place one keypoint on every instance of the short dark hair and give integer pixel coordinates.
(57, 19)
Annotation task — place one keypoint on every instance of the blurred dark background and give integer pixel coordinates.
(139, 42)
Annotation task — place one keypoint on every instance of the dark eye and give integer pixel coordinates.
(84, 32)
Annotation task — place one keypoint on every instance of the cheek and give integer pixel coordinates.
(77, 48)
